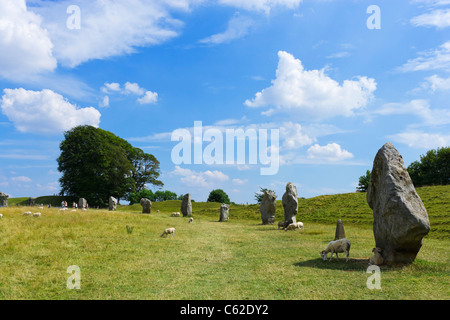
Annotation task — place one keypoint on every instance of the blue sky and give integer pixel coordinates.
(335, 89)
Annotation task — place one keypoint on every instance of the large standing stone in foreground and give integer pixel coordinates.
(112, 204)
(3, 199)
(290, 204)
(340, 233)
(146, 205)
(268, 207)
(82, 203)
(224, 209)
(400, 220)
(186, 206)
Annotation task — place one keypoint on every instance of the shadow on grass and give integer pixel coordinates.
(336, 264)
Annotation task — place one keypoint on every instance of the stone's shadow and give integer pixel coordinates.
(359, 264)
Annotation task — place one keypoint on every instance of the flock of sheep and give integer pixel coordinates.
(333, 247)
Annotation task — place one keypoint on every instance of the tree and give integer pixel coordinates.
(432, 169)
(260, 194)
(218, 195)
(364, 180)
(96, 164)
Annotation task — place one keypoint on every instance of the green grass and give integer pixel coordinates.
(237, 260)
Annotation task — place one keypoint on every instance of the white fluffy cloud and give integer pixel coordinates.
(330, 152)
(418, 139)
(437, 18)
(129, 88)
(436, 59)
(148, 98)
(25, 46)
(238, 27)
(44, 112)
(436, 83)
(199, 178)
(312, 92)
(261, 5)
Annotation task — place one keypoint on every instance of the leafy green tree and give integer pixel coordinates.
(363, 183)
(432, 169)
(260, 194)
(96, 164)
(218, 195)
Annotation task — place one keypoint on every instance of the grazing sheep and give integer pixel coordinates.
(1, 216)
(294, 226)
(281, 224)
(27, 213)
(175, 214)
(168, 231)
(36, 214)
(191, 220)
(337, 246)
(377, 258)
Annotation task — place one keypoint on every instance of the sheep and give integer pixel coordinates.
(294, 226)
(36, 214)
(337, 246)
(175, 214)
(281, 224)
(1, 216)
(27, 213)
(168, 231)
(191, 220)
(377, 258)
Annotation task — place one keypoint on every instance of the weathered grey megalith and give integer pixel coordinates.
(186, 206)
(290, 204)
(3, 199)
(146, 205)
(400, 220)
(224, 209)
(82, 203)
(340, 233)
(268, 207)
(112, 204)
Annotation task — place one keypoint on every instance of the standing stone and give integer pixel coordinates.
(146, 205)
(3, 199)
(224, 209)
(290, 204)
(340, 233)
(268, 207)
(400, 220)
(82, 203)
(112, 204)
(186, 206)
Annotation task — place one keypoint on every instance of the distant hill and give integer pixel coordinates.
(352, 208)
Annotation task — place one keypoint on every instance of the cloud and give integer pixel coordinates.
(437, 18)
(21, 179)
(331, 152)
(148, 98)
(261, 5)
(437, 59)
(44, 112)
(193, 178)
(238, 27)
(420, 108)
(133, 88)
(311, 92)
(418, 139)
(26, 48)
(436, 83)
(107, 28)
(104, 103)
(113, 86)
(239, 182)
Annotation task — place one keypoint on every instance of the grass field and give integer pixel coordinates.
(237, 260)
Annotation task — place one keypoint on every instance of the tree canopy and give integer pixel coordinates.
(218, 195)
(363, 183)
(96, 164)
(432, 169)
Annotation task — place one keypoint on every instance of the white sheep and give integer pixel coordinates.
(337, 246)
(281, 224)
(191, 220)
(36, 214)
(175, 214)
(168, 231)
(27, 213)
(1, 216)
(294, 226)
(377, 258)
